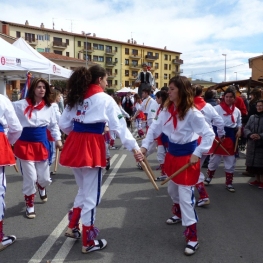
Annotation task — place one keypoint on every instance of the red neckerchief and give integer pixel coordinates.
(199, 103)
(228, 110)
(32, 107)
(158, 111)
(173, 113)
(92, 90)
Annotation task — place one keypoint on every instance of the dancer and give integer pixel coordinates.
(8, 119)
(211, 116)
(183, 124)
(232, 122)
(32, 149)
(88, 109)
(139, 116)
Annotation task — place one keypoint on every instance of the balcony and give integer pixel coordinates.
(58, 44)
(135, 66)
(88, 50)
(111, 76)
(32, 42)
(178, 71)
(151, 58)
(178, 61)
(133, 77)
(110, 52)
(111, 63)
(135, 56)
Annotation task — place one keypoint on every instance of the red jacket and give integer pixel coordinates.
(241, 106)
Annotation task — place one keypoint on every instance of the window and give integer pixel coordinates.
(116, 60)
(67, 54)
(135, 63)
(165, 76)
(108, 60)
(100, 47)
(169, 67)
(58, 52)
(116, 82)
(169, 76)
(156, 65)
(109, 49)
(165, 66)
(116, 71)
(156, 85)
(88, 57)
(47, 49)
(157, 55)
(165, 84)
(150, 64)
(176, 57)
(116, 49)
(149, 54)
(170, 57)
(126, 61)
(18, 34)
(67, 41)
(40, 37)
(87, 45)
(30, 37)
(95, 46)
(135, 52)
(40, 49)
(127, 84)
(109, 82)
(165, 57)
(95, 58)
(57, 39)
(79, 43)
(156, 76)
(134, 74)
(177, 68)
(109, 71)
(126, 51)
(47, 37)
(101, 59)
(127, 73)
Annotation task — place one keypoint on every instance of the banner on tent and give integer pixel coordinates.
(10, 61)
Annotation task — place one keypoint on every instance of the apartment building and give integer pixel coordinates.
(122, 60)
(256, 64)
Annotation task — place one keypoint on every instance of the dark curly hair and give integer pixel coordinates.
(185, 95)
(31, 91)
(79, 82)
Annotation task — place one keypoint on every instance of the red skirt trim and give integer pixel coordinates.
(187, 177)
(228, 144)
(30, 151)
(6, 154)
(84, 150)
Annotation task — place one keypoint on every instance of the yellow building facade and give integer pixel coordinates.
(256, 64)
(122, 60)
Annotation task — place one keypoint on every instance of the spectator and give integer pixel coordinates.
(209, 97)
(254, 133)
(243, 96)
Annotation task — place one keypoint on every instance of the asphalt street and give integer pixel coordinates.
(131, 217)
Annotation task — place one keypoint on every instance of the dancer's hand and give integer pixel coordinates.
(138, 155)
(59, 145)
(194, 159)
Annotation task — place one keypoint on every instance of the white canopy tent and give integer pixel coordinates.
(15, 63)
(125, 89)
(55, 71)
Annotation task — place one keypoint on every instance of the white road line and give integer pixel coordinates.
(68, 244)
(46, 246)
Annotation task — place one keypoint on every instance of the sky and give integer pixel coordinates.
(202, 30)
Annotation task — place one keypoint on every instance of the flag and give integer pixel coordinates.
(27, 85)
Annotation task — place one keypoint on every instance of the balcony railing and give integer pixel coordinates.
(178, 71)
(32, 42)
(111, 63)
(134, 56)
(111, 76)
(59, 44)
(150, 57)
(135, 66)
(178, 61)
(133, 77)
(88, 49)
(110, 52)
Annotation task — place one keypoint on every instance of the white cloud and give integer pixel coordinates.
(200, 29)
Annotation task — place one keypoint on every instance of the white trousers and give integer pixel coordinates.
(113, 135)
(161, 152)
(107, 145)
(201, 176)
(229, 162)
(2, 192)
(138, 123)
(184, 196)
(53, 151)
(89, 192)
(33, 172)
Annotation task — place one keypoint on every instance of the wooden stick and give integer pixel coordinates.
(56, 160)
(149, 168)
(218, 144)
(224, 149)
(236, 144)
(176, 173)
(145, 169)
(16, 168)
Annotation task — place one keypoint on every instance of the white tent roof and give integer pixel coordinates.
(15, 63)
(124, 90)
(55, 71)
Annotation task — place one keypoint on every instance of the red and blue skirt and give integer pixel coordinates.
(33, 145)
(6, 154)
(85, 146)
(178, 155)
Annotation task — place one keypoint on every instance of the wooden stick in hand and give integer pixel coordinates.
(236, 144)
(149, 168)
(176, 173)
(56, 160)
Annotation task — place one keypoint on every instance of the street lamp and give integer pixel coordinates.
(87, 34)
(225, 65)
(236, 75)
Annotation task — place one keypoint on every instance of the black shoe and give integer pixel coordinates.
(99, 244)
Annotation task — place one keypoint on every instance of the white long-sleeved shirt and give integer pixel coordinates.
(187, 130)
(9, 119)
(99, 107)
(150, 107)
(151, 79)
(40, 118)
(227, 118)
